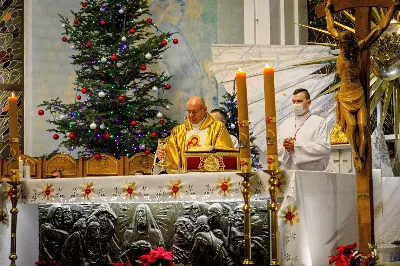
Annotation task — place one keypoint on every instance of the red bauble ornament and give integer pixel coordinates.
(56, 136)
(164, 42)
(162, 121)
(149, 20)
(76, 21)
(107, 135)
(147, 151)
(132, 31)
(78, 97)
(97, 156)
(154, 134)
(114, 57)
(143, 67)
(121, 98)
(71, 135)
(102, 22)
(175, 41)
(40, 112)
(88, 44)
(64, 39)
(133, 123)
(83, 4)
(168, 86)
(84, 90)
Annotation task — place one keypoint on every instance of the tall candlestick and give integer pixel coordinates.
(13, 134)
(243, 117)
(270, 118)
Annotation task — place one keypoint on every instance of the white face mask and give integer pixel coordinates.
(298, 108)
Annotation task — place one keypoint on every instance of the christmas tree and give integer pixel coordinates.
(229, 107)
(119, 97)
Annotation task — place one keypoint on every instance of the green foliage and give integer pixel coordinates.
(111, 40)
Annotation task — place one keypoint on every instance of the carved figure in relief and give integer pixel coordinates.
(182, 240)
(68, 220)
(73, 252)
(52, 235)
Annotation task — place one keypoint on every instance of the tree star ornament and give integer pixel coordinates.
(93, 125)
(148, 56)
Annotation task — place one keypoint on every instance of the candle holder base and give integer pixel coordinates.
(14, 212)
(275, 184)
(246, 192)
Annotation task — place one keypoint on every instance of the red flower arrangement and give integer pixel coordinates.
(157, 256)
(48, 263)
(350, 256)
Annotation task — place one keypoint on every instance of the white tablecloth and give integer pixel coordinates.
(318, 210)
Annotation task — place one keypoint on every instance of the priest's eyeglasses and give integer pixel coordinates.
(194, 112)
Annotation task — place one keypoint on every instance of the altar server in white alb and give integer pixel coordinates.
(303, 140)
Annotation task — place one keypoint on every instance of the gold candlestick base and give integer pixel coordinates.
(246, 192)
(14, 212)
(275, 183)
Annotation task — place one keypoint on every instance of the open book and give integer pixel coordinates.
(209, 148)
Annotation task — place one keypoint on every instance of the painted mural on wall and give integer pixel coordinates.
(196, 233)
(195, 24)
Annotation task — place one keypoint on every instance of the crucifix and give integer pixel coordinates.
(352, 110)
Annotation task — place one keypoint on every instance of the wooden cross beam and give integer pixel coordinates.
(364, 176)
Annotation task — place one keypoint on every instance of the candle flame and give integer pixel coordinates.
(266, 65)
(240, 69)
(12, 94)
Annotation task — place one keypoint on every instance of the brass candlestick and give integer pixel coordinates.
(274, 182)
(14, 212)
(246, 192)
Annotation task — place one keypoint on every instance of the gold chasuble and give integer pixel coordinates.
(217, 135)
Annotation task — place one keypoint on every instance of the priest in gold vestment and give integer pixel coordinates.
(199, 130)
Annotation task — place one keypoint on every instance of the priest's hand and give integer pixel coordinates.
(288, 144)
(160, 154)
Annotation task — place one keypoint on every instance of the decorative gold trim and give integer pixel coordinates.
(270, 141)
(212, 163)
(338, 136)
(363, 195)
(272, 162)
(270, 119)
(219, 153)
(14, 140)
(244, 123)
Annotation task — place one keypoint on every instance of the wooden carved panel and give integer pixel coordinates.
(107, 165)
(140, 162)
(64, 162)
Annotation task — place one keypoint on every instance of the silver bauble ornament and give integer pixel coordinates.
(93, 125)
(148, 56)
(103, 59)
(62, 117)
(102, 126)
(102, 94)
(121, 11)
(159, 115)
(140, 10)
(168, 107)
(123, 39)
(154, 89)
(233, 126)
